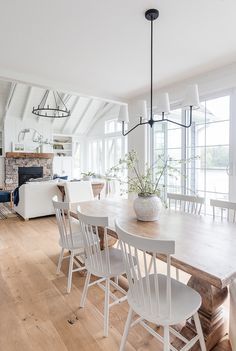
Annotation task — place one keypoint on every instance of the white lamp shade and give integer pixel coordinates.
(141, 109)
(123, 114)
(163, 104)
(192, 97)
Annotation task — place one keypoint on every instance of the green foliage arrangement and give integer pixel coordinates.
(147, 183)
(88, 174)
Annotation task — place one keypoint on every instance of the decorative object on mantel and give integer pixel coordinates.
(36, 138)
(58, 110)
(18, 147)
(163, 105)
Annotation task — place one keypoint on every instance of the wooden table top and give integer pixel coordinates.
(204, 248)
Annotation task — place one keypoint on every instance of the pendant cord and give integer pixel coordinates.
(151, 117)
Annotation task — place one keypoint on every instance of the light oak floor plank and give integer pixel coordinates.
(36, 313)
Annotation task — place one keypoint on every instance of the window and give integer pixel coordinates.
(96, 156)
(208, 141)
(112, 126)
(77, 160)
(204, 146)
(105, 151)
(113, 151)
(167, 143)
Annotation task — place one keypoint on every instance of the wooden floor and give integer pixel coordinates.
(36, 313)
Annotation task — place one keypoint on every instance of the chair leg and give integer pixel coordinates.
(85, 290)
(106, 307)
(177, 274)
(126, 330)
(69, 282)
(199, 331)
(116, 280)
(166, 339)
(60, 261)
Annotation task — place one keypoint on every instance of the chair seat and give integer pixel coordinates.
(76, 244)
(184, 304)
(116, 264)
(5, 196)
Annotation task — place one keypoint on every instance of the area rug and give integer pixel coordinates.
(6, 211)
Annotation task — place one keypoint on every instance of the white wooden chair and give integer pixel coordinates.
(69, 240)
(228, 206)
(186, 203)
(79, 191)
(154, 297)
(104, 264)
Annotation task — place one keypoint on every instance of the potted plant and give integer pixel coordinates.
(146, 185)
(88, 175)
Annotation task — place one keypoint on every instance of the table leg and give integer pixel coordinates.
(232, 318)
(210, 313)
(111, 240)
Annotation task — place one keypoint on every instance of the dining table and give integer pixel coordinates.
(205, 248)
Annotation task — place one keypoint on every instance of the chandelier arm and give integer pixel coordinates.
(61, 100)
(137, 125)
(43, 101)
(55, 99)
(180, 124)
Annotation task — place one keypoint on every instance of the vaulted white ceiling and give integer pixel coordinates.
(17, 101)
(101, 47)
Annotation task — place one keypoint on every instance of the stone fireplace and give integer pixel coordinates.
(26, 173)
(17, 163)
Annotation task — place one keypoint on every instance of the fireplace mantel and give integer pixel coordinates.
(28, 155)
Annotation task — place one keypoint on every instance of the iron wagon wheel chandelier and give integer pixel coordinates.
(59, 110)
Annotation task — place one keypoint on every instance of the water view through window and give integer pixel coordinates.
(205, 145)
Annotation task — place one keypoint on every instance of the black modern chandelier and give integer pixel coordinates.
(57, 110)
(191, 100)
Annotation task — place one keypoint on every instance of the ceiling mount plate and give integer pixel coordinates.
(152, 14)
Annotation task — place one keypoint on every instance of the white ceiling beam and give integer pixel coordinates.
(89, 104)
(9, 101)
(68, 96)
(27, 101)
(91, 117)
(71, 111)
(100, 114)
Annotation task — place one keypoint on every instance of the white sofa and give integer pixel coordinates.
(35, 199)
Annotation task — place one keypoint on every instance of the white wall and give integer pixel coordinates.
(14, 125)
(209, 83)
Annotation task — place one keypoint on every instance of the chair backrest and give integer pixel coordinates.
(230, 207)
(142, 276)
(62, 211)
(97, 258)
(79, 191)
(187, 203)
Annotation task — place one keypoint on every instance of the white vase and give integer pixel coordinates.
(88, 178)
(147, 208)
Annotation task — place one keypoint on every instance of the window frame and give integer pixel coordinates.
(232, 156)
